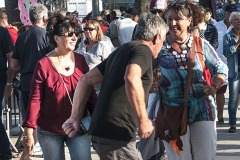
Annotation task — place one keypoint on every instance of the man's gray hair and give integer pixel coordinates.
(36, 12)
(149, 25)
(233, 15)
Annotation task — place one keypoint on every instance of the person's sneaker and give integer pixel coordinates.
(37, 148)
(232, 130)
(220, 121)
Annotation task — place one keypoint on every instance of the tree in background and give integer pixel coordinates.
(12, 10)
(142, 6)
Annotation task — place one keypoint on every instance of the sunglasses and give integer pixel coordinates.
(69, 34)
(155, 11)
(89, 29)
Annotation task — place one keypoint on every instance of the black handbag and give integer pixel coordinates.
(16, 84)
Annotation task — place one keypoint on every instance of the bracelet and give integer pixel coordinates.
(25, 137)
(215, 86)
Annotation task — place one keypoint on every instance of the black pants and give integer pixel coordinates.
(5, 152)
(23, 100)
(3, 81)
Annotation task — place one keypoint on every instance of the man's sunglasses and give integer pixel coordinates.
(69, 34)
(155, 11)
(89, 29)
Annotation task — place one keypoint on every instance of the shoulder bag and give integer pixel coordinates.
(85, 122)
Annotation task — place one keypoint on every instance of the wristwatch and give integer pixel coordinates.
(9, 84)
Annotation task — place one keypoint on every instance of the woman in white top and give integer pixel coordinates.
(95, 47)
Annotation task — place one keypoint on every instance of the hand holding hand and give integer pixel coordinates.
(145, 128)
(209, 90)
(154, 87)
(71, 127)
(28, 143)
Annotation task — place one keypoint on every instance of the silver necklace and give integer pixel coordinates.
(182, 58)
(182, 45)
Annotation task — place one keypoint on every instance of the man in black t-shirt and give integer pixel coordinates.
(6, 75)
(126, 77)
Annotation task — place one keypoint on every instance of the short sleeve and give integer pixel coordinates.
(7, 43)
(141, 56)
(101, 66)
(15, 54)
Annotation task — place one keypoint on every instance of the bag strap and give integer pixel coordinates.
(191, 62)
(71, 101)
(198, 42)
(62, 81)
(190, 72)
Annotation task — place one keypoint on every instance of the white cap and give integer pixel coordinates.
(158, 4)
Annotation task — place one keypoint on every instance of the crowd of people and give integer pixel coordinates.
(121, 71)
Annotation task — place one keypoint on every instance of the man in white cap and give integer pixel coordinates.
(158, 6)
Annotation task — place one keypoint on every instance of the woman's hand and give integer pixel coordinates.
(209, 90)
(71, 127)
(28, 143)
(154, 87)
(25, 155)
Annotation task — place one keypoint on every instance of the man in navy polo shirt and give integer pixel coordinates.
(6, 75)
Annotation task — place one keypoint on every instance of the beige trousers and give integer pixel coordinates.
(199, 143)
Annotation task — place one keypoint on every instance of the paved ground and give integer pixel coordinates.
(228, 144)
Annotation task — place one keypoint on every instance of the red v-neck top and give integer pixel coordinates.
(49, 106)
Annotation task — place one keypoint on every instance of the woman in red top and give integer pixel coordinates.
(49, 105)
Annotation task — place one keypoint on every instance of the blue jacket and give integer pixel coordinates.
(230, 52)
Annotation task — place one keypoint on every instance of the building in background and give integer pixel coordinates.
(2, 3)
(82, 6)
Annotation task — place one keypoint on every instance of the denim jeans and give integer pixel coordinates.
(3, 81)
(4, 143)
(52, 145)
(234, 84)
